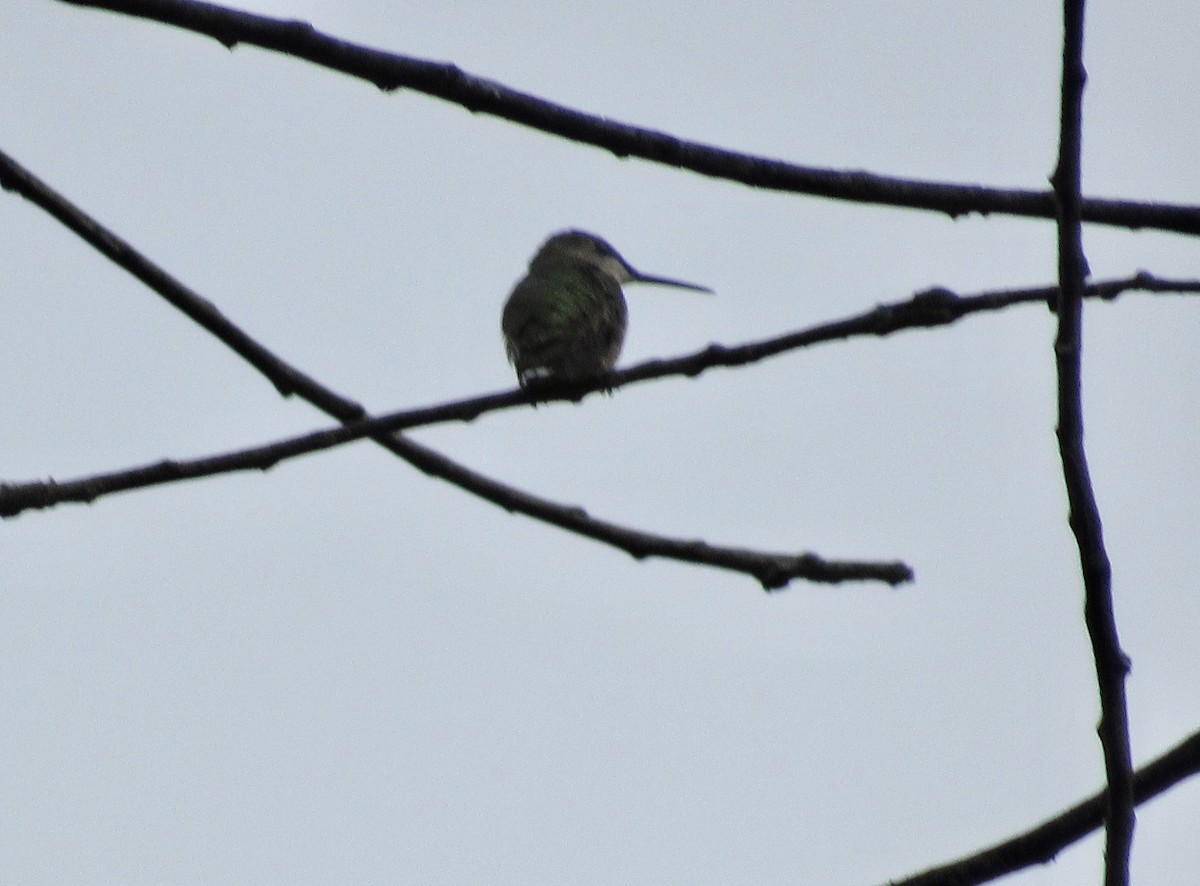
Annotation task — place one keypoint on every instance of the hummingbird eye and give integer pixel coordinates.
(602, 249)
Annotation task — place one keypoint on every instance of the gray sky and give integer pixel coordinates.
(345, 672)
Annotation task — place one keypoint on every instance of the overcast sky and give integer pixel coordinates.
(343, 671)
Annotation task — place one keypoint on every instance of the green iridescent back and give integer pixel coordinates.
(566, 320)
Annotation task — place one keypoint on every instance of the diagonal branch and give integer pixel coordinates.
(1111, 662)
(286, 379)
(771, 570)
(1040, 844)
(389, 71)
(935, 307)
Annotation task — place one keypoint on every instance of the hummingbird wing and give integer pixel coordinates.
(564, 322)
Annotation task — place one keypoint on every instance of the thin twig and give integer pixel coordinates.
(1041, 844)
(935, 307)
(1111, 662)
(286, 379)
(446, 81)
(771, 570)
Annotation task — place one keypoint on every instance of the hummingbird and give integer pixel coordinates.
(566, 319)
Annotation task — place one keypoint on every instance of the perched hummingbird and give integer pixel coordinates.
(566, 319)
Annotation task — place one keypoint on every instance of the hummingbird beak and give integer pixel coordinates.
(639, 277)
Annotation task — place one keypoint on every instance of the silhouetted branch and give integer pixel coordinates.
(935, 307)
(286, 379)
(771, 570)
(1111, 662)
(1041, 844)
(446, 81)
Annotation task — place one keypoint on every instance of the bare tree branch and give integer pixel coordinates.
(286, 379)
(1114, 806)
(1111, 662)
(935, 307)
(771, 570)
(389, 71)
(1040, 844)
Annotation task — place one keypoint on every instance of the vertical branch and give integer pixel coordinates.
(1111, 663)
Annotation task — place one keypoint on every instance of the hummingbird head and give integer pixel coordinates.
(580, 247)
